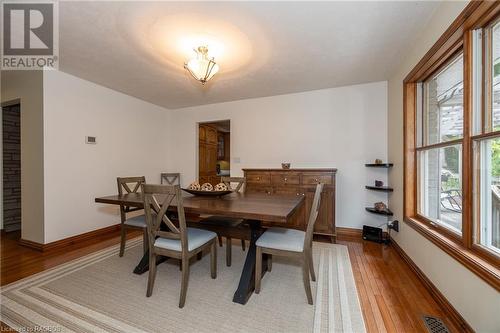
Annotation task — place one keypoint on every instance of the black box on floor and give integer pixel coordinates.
(372, 234)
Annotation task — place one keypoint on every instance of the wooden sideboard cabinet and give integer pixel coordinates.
(299, 182)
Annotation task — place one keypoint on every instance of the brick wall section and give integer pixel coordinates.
(11, 168)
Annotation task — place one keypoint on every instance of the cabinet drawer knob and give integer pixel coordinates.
(316, 179)
(286, 179)
(258, 178)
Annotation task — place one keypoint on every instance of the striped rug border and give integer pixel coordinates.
(26, 296)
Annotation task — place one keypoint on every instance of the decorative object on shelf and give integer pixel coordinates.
(202, 68)
(194, 186)
(220, 187)
(378, 161)
(207, 187)
(285, 166)
(380, 206)
(379, 183)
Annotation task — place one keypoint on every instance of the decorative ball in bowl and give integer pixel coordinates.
(207, 189)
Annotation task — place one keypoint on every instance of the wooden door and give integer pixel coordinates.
(202, 161)
(203, 133)
(227, 145)
(211, 135)
(211, 160)
(220, 146)
(214, 180)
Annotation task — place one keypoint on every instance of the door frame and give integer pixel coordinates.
(197, 141)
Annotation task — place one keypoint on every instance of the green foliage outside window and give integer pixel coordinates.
(495, 157)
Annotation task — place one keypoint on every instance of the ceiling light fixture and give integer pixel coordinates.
(202, 68)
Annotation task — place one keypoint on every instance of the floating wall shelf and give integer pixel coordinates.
(386, 189)
(380, 188)
(381, 165)
(379, 212)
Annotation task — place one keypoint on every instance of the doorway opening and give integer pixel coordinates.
(11, 167)
(214, 159)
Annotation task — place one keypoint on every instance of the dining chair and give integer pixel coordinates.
(170, 178)
(227, 224)
(136, 222)
(178, 242)
(290, 243)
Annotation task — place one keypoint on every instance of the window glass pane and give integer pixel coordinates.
(495, 72)
(477, 79)
(443, 104)
(489, 194)
(440, 190)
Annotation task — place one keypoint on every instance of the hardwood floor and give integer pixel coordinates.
(391, 296)
(17, 262)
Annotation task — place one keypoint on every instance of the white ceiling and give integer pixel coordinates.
(264, 48)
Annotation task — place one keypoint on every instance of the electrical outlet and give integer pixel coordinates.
(394, 225)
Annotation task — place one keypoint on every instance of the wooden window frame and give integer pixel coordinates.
(457, 38)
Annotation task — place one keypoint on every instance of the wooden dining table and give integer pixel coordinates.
(254, 208)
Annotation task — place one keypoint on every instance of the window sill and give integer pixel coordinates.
(472, 261)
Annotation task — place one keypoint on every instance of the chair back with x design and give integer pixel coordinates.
(157, 200)
(173, 178)
(129, 185)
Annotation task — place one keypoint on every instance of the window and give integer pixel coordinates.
(487, 141)
(440, 188)
(443, 104)
(439, 168)
(452, 142)
(492, 60)
(488, 169)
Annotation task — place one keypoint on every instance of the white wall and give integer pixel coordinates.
(471, 296)
(131, 141)
(27, 86)
(342, 128)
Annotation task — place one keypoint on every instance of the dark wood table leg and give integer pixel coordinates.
(143, 265)
(247, 279)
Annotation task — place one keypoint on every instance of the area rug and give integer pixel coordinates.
(99, 293)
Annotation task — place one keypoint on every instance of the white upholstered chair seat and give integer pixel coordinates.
(282, 239)
(136, 221)
(196, 238)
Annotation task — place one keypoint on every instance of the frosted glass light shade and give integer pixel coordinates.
(202, 68)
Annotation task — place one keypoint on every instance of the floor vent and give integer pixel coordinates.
(435, 325)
